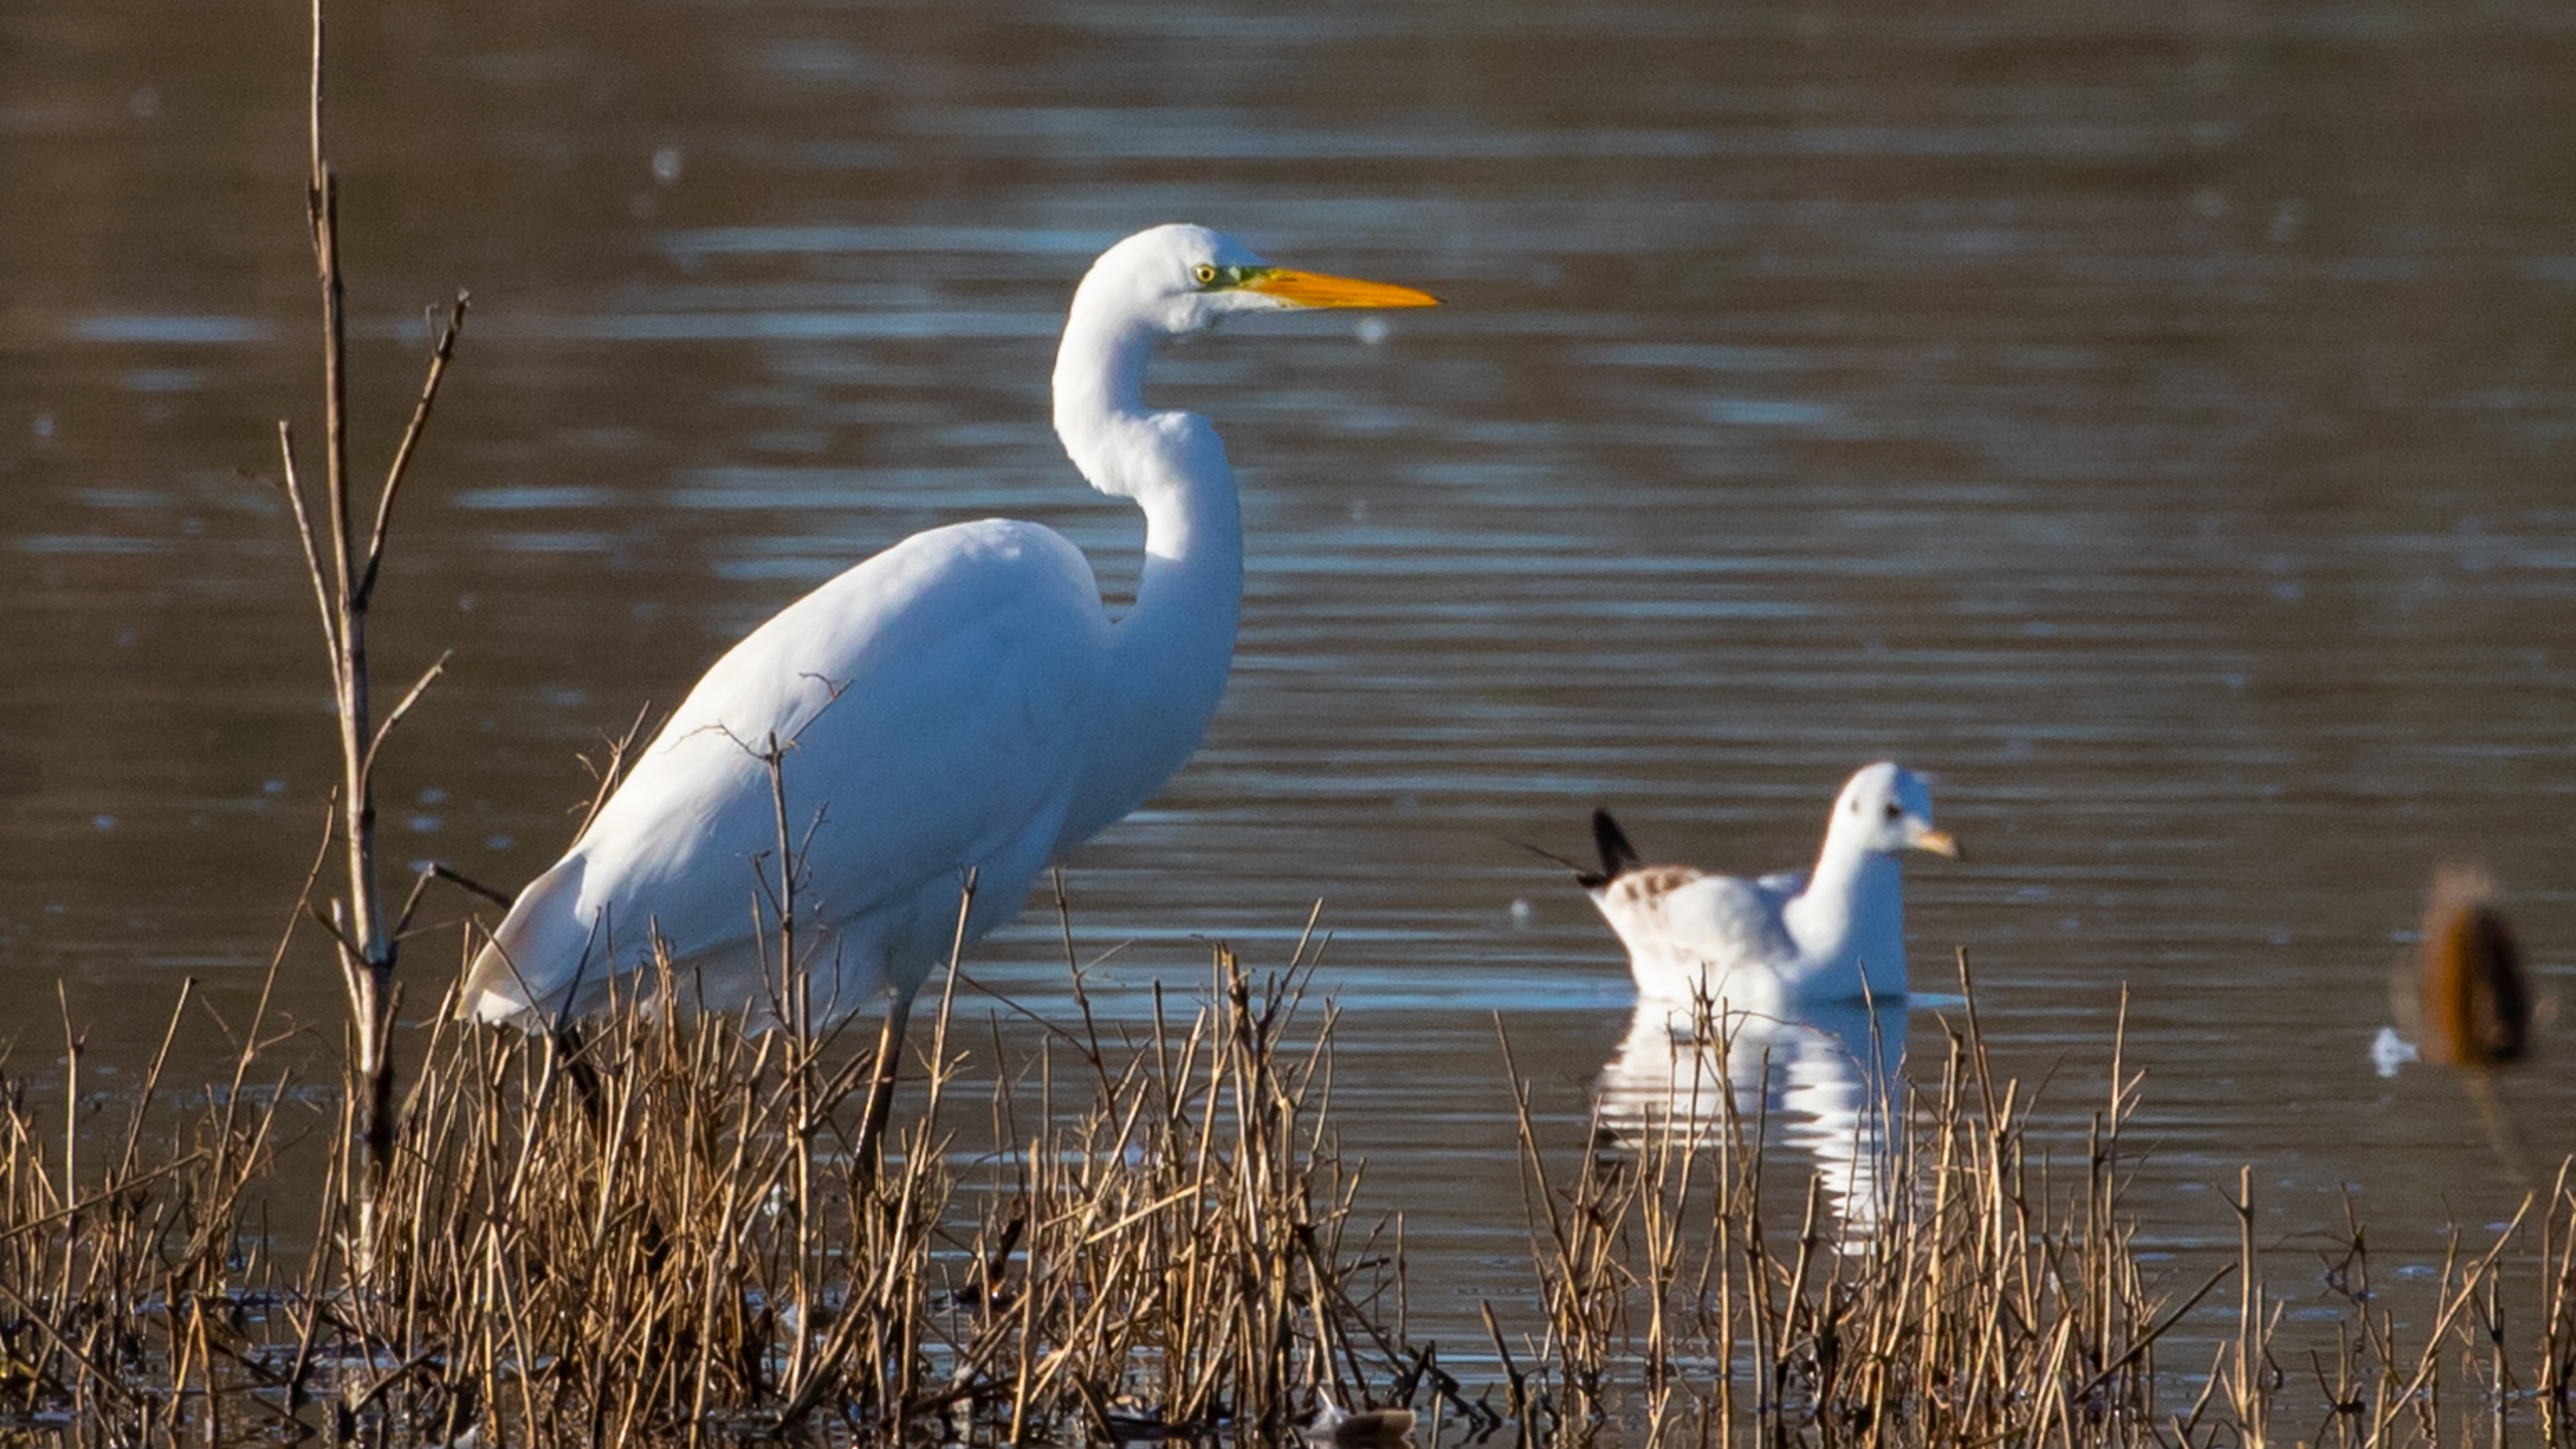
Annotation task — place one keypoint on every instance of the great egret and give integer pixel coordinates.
(960, 702)
(1837, 934)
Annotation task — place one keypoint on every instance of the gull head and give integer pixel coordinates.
(1886, 809)
(1179, 278)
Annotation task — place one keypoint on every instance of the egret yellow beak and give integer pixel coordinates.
(1939, 842)
(1314, 289)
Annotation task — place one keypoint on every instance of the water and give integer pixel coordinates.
(2153, 423)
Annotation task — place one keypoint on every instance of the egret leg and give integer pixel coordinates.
(881, 1088)
(572, 1058)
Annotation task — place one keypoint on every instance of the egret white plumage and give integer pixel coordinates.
(1834, 934)
(961, 701)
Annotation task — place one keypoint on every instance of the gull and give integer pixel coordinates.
(1836, 933)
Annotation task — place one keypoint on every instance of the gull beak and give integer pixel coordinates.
(1939, 842)
(1314, 289)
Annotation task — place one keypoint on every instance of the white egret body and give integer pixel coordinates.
(1768, 945)
(961, 701)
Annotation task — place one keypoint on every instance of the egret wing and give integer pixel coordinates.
(927, 705)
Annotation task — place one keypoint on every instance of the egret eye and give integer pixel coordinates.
(1205, 273)
(1895, 811)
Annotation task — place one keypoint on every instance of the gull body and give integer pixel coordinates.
(960, 702)
(1835, 933)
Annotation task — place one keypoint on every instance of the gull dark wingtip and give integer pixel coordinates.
(1617, 856)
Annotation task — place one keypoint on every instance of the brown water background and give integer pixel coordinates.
(2155, 420)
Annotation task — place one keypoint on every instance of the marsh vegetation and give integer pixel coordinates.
(668, 1233)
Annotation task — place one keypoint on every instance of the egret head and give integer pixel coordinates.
(1887, 808)
(1181, 278)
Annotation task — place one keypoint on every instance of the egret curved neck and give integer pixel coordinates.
(1100, 390)
(1171, 463)
(1170, 652)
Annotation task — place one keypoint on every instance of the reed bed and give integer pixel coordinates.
(668, 1231)
(1985, 1302)
(1995, 1295)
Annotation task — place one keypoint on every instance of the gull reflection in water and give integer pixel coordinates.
(1827, 1076)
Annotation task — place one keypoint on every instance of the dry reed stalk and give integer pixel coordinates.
(366, 943)
(2555, 1375)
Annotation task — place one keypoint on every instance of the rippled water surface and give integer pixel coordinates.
(2155, 421)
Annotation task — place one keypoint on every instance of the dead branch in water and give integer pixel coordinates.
(344, 585)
